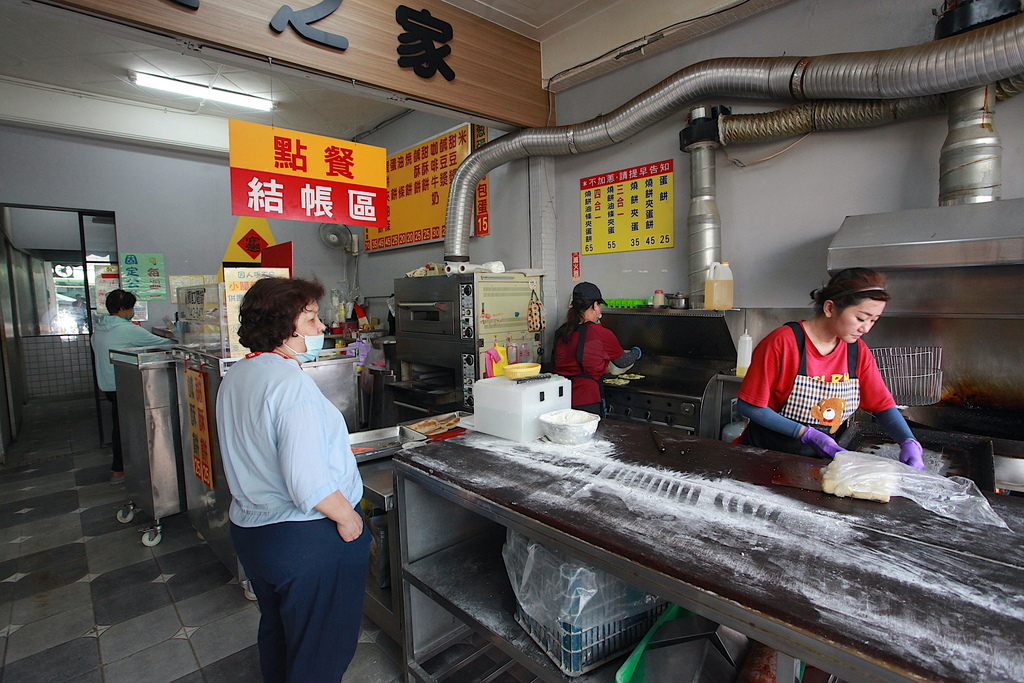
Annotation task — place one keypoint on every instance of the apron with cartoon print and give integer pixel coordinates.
(818, 404)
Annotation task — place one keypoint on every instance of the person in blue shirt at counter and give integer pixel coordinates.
(116, 331)
(295, 489)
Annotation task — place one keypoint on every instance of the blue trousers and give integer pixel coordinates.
(310, 586)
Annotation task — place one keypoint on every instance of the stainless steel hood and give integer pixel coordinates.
(983, 234)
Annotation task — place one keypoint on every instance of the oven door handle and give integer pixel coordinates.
(439, 305)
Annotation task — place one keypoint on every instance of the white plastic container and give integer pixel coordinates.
(718, 287)
(659, 297)
(743, 353)
(512, 411)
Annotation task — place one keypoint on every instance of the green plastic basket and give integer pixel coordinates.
(624, 303)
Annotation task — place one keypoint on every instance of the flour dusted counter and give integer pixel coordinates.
(866, 591)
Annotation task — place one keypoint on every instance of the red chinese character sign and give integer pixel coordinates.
(199, 426)
(419, 179)
(278, 173)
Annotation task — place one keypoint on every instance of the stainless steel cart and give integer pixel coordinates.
(147, 409)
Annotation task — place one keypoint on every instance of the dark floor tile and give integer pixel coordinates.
(241, 667)
(198, 579)
(44, 580)
(8, 567)
(92, 475)
(211, 605)
(131, 603)
(123, 579)
(179, 561)
(74, 658)
(94, 676)
(197, 677)
(38, 507)
(36, 469)
(54, 556)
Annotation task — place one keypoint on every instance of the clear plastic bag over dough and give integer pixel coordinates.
(859, 475)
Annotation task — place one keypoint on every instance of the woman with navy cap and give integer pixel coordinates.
(584, 349)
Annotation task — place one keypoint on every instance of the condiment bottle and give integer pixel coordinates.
(659, 297)
(746, 348)
(718, 287)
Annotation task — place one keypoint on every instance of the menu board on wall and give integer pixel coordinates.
(419, 179)
(628, 210)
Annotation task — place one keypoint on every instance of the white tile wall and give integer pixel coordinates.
(57, 365)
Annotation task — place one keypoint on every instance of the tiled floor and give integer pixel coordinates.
(81, 599)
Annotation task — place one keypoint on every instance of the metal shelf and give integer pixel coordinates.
(468, 579)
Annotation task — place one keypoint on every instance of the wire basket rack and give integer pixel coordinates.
(912, 373)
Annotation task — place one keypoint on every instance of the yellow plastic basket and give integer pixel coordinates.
(520, 370)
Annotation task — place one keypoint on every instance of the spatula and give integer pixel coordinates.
(799, 474)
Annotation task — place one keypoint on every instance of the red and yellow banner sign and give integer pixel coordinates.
(278, 173)
(419, 179)
(199, 426)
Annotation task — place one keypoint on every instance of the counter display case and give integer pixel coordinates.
(866, 591)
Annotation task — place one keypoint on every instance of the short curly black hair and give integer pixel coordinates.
(269, 309)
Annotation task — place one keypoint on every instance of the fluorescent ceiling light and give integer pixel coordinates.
(201, 91)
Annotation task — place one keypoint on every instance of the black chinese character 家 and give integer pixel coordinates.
(418, 49)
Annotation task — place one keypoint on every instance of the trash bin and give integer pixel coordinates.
(147, 405)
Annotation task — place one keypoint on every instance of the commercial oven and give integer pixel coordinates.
(444, 326)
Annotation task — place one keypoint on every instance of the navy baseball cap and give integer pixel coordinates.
(587, 291)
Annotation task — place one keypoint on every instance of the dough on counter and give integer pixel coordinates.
(857, 475)
(618, 381)
(631, 376)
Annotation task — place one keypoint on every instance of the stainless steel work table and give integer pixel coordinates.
(867, 591)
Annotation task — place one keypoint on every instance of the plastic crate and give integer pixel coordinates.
(576, 651)
(580, 616)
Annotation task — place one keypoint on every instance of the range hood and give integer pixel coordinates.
(982, 234)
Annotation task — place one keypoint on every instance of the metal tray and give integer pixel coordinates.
(440, 418)
(963, 455)
(382, 442)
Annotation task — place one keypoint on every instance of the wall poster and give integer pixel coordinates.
(237, 282)
(144, 276)
(628, 210)
(419, 179)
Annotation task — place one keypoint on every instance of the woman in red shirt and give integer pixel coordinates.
(583, 349)
(807, 379)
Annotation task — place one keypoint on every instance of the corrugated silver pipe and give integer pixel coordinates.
(971, 160)
(703, 222)
(969, 60)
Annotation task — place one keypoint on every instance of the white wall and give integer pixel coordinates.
(778, 216)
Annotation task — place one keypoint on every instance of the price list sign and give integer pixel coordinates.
(628, 210)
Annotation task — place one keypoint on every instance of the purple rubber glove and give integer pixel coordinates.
(911, 454)
(822, 443)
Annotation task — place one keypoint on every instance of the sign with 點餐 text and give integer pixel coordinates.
(278, 173)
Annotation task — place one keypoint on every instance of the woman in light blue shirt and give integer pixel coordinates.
(295, 489)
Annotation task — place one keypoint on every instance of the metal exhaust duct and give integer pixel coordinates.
(969, 60)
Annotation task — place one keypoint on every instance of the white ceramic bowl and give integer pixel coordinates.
(568, 426)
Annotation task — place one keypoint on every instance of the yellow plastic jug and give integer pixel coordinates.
(718, 286)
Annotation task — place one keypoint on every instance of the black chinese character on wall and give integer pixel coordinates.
(418, 48)
(301, 19)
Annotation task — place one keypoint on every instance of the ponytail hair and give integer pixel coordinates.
(574, 318)
(849, 287)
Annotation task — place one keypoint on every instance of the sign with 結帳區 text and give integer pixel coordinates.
(278, 173)
(419, 179)
(429, 49)
(628, 210)
(143, 275)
